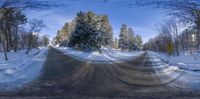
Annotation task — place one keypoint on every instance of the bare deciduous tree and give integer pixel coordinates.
(187, 11)
(35, 26)
(12, 16)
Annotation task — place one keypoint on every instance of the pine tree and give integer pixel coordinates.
(58, 38)
(123, 37)
(139, 41)
(116, 43)
(106, 32)
(87, 31)
(85, 35)
(45, 40)
(65, 34)
(131, 39)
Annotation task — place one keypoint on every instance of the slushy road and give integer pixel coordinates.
(65, 77)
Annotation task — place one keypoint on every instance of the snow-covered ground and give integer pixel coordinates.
(12, 56)
(185, 75)
(183, 61)
(21, 68)
(107, 56)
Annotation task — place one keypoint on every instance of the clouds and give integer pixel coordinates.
(53, 19)
(141, 20)
(54, 23)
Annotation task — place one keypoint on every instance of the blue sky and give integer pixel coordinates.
(142, 20)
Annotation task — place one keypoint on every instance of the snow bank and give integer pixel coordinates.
(184, 61)
(21, 70)
(107, 56)
(13, 56)
(174, 74)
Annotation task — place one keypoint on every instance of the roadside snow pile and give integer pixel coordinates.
(12, 56)
(176, 77)
(107, 56)
(183, 61)
(21, 70)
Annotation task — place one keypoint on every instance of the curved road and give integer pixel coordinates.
(68, 78)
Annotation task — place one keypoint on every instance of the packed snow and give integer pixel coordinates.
(21, 68)
(12, 56)
(183, 61)
(172, 73)
(107, 56)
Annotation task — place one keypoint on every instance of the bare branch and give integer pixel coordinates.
(27, 4)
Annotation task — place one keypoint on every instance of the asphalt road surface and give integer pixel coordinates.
(65, 77)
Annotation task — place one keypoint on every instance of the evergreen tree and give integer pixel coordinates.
(106, 32)
(116, 43)
(85, 35)
(87, 31)
(139, 41)
(123, 37)
(58, 38)
(131, 39)
(45, 40)
(65, 34)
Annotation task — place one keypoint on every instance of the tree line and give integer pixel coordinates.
(89, 31)
(16, 30)
(128, 40)
(185, 13)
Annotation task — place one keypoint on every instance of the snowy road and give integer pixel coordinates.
(142, 77)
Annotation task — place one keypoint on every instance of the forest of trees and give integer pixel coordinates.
(93, 32)
(171, 39)
(128, 40)
(16, 30)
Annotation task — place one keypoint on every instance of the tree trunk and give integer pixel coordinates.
(6, 42)
(29, 44)
(4, 47)
(5, 53)
(16, 40)
(177, 46)
(198, 39)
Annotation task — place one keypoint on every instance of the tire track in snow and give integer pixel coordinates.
(179, 78)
